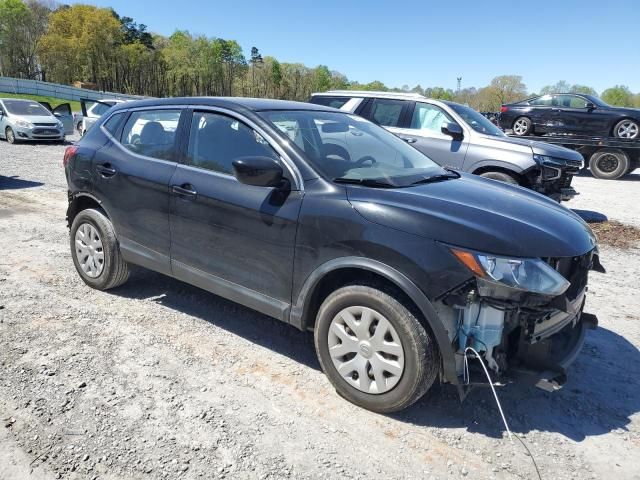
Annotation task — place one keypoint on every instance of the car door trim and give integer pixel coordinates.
(231, 291)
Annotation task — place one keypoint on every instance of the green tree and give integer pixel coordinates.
(620, 96)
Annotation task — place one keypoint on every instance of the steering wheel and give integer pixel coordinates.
(363, 160)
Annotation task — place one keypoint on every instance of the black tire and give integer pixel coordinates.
(10, 136)
(528, 130)
(115, 270)
(609, 164)
(631, 123)
(421, 355)
(79, 127)
(500, 176)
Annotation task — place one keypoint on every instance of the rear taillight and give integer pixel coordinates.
(503, 109)
(69, 153)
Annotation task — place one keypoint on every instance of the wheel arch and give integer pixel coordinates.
(616, 121)
(342, 271)
(82, 201)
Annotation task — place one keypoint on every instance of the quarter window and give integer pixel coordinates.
(113, 123)
(386, 112)
(429, 117)
(217, 140)
(152, 133)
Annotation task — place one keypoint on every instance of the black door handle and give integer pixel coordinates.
(409, 139)
(106, 170)
(184, 190)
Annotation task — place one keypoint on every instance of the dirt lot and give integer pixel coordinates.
(158, 379)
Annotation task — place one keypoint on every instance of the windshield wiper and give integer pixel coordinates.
(367, 182)
(437, 178)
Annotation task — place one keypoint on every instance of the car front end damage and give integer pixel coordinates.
(524, 317)
(552, 177)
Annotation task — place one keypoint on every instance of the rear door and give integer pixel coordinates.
(233, 239)
(131, 175)
(423, 131)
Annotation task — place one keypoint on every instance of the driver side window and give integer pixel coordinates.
(429, 117)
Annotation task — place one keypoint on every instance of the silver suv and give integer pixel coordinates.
(458, 137)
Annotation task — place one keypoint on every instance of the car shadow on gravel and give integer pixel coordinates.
(16, 183)
(232, 317)
(600, 396)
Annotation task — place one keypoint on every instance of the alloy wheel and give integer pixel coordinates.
(89, 250)
(627, 129)
(11, 138)
(521, 126)
(366, 350)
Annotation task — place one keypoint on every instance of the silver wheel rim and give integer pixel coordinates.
(627, 129)
(10, 137)
(366, 350)
(521, 126)
(89, 251)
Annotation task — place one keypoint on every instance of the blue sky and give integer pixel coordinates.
(590, 42)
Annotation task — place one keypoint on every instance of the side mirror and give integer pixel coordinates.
(590, 106)
(258, 171)
(453, 130)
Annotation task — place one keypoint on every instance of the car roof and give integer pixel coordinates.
(254, 104)
(371, 94)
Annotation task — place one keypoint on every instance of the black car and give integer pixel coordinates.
(328, 222)
(570, 113)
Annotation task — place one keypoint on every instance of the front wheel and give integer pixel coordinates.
(522, 126)
(96, 252)
(374, 351)
(9, 135)
(501, 177)
(627, 129)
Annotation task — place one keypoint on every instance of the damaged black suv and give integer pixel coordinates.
(328, 222)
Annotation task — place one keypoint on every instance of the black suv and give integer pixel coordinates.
(326, 221)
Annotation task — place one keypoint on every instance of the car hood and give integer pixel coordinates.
(478, 214)
(537, 147)
(35, 118)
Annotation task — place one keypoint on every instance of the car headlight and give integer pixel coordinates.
(521, 274)
(59, 124)
(24, 124)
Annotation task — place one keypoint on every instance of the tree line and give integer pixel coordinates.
(40, 39)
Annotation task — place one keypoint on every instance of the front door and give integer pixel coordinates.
(573, 116)
(131, 173)
(63, 113)
(233, 239)
(424, 133)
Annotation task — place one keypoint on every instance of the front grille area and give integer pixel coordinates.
(565, 180)
(45, 124)
(45, 131)
(575, 270)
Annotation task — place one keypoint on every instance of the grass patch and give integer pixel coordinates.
(616, 234)
(75, 106)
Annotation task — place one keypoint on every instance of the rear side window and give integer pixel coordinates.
(100, 108)
(216, 141)
(335, 102)
(544, 101)
(113, 123)
(386, 112)
(429, 117)
(152, 133)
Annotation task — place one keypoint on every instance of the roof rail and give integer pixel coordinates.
(370, 93)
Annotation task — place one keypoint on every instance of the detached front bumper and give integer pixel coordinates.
(553, 178)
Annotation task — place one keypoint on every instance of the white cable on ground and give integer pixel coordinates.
(495, 395)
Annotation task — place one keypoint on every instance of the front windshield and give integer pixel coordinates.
(477, 121)
(348, 148)
(25, 109)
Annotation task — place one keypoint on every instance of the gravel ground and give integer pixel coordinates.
(159, 379)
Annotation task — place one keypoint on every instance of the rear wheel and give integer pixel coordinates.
(9, 135)
(95, 251)
(609, 164)
(628, 129)
(501, 176)
(522, 126)
(374, 351)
